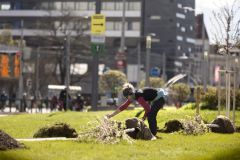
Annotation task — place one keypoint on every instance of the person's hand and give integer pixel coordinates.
(107, 116)
(143, 118)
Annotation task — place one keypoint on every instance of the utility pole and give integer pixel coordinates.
(148, 48)
(164, 66)
(122, 47)
(37, 75)
(67, 80)
(95, 68)
(205, 57)
(20, 85)
(139, 63)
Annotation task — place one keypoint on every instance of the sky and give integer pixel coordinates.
(207, 7)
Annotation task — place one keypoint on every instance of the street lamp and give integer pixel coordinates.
(205, 75)
(148, 52)
(205, 54)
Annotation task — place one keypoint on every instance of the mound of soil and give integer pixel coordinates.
(223, 125)
(141, 129)
(172, 126)
(7, 142)
(56, 130)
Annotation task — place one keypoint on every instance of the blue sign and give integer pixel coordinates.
(155, 72)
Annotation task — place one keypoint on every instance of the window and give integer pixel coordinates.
(155, 17)
(91, 6)
(178, 25)
(183, 29)
(179, 5)
(5, 6)
(155, 40)
(136, 26)
(136, 6)
(58, 5)
(179, 38)
(191, 28)
(68, 5)
(81, 6)
(179, 48)
(190, 40)
(118, 25)
(110, 26)
(108, 5)
(180, 15)
(189, 50)
(119, 5)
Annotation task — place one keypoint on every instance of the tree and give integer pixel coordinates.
(155, 82)
(57, 28)
(227, 26)
(112, 81)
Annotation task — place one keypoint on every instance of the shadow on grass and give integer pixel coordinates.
(228, 155)
(9, 155)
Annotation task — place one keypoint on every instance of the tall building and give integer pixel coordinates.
(169, 20)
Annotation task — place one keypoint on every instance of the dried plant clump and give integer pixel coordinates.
(104, 131)
(194, 126)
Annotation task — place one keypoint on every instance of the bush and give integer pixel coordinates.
(155, 82)
(56, 130)
(180, 92)
(189, 106)
(209, 98)
(112, 81)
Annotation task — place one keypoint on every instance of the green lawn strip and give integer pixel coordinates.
(171, 146)
(210, 146)
(24, 126)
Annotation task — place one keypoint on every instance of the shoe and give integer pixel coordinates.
(153, 138)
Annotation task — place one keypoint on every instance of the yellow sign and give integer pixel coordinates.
(98, 24)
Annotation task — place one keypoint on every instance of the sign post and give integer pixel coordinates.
(97, 46)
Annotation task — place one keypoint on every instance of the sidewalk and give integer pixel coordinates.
(47, 139)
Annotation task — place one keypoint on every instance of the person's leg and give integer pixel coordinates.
(152, 121)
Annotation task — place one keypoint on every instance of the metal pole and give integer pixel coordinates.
(234, 95)
(219, 93)
(122, 47)
(164, 66)
(20, 85)
(95, 68)
(37, 76)
(139, 63)
(67, 83)
(203, 50)
(148, 50)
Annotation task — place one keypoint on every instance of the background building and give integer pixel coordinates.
(44, 25)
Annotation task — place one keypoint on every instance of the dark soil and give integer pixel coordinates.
(7, 142)
(172, 126)
(56, 130)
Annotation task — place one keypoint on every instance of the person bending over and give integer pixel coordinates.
(151, 99)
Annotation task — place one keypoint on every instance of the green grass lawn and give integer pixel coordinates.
(210, 146)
